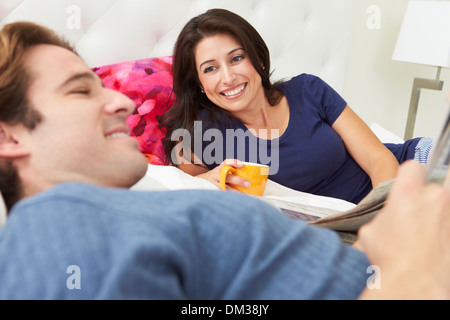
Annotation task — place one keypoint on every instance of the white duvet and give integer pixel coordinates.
(160, 178)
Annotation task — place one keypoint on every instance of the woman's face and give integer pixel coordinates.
(227, 75)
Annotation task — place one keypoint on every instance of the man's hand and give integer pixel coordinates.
(409, 239)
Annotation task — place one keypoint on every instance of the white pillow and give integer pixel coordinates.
(385, 135)
(165, 178)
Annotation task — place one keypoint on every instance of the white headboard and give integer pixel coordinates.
(303, 35)
(311, 36)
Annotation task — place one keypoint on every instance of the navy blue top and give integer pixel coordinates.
(311, 156)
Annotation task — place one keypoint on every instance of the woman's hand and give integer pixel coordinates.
(213, 176)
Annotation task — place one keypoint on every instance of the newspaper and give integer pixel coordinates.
(302, 205)
(439, 164)
(334, 214)
(347, 219)
(353, 219)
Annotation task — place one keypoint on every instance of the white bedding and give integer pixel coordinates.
(166, 178)
(162, 178)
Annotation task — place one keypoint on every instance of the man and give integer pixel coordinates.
(76, 232)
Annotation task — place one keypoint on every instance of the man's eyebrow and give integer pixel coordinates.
(229, 53)
(80, 76)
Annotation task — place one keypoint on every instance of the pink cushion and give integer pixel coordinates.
(148, 82)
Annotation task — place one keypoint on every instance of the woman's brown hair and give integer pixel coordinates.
(15, 41)
(189, 99)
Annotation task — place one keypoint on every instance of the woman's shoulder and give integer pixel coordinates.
(306, 83)
(302, 82)
(303, 79)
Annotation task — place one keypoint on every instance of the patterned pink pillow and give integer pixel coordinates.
(148, 83)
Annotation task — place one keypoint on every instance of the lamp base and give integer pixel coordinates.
(418, 85)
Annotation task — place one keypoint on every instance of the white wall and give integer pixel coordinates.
(378, 88)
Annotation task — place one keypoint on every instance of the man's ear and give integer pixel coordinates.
(10, 147)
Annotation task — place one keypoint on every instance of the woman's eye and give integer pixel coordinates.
(238, 58)
(209, 69)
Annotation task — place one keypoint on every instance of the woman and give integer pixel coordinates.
(302, 128)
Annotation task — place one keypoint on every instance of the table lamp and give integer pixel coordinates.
(424, 39)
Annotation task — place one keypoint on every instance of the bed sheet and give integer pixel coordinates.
(169, 178)
(166, 178)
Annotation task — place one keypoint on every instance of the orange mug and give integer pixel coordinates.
(256, 174)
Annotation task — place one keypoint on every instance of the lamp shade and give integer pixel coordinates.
(425, 34)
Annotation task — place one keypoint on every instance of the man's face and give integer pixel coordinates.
(83, 136)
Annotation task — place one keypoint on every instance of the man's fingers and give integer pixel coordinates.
(447, 181)
(412, 170)
(410, 178)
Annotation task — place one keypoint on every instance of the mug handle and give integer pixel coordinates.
(223, 176)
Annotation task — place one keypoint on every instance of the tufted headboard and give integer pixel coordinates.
(311, 36)
(303, 35)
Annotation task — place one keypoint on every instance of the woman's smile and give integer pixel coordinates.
(235, 92)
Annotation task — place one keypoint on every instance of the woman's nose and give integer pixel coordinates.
(228, 75)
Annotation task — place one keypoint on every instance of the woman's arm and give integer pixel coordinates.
(192, 169)
(365, 147)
